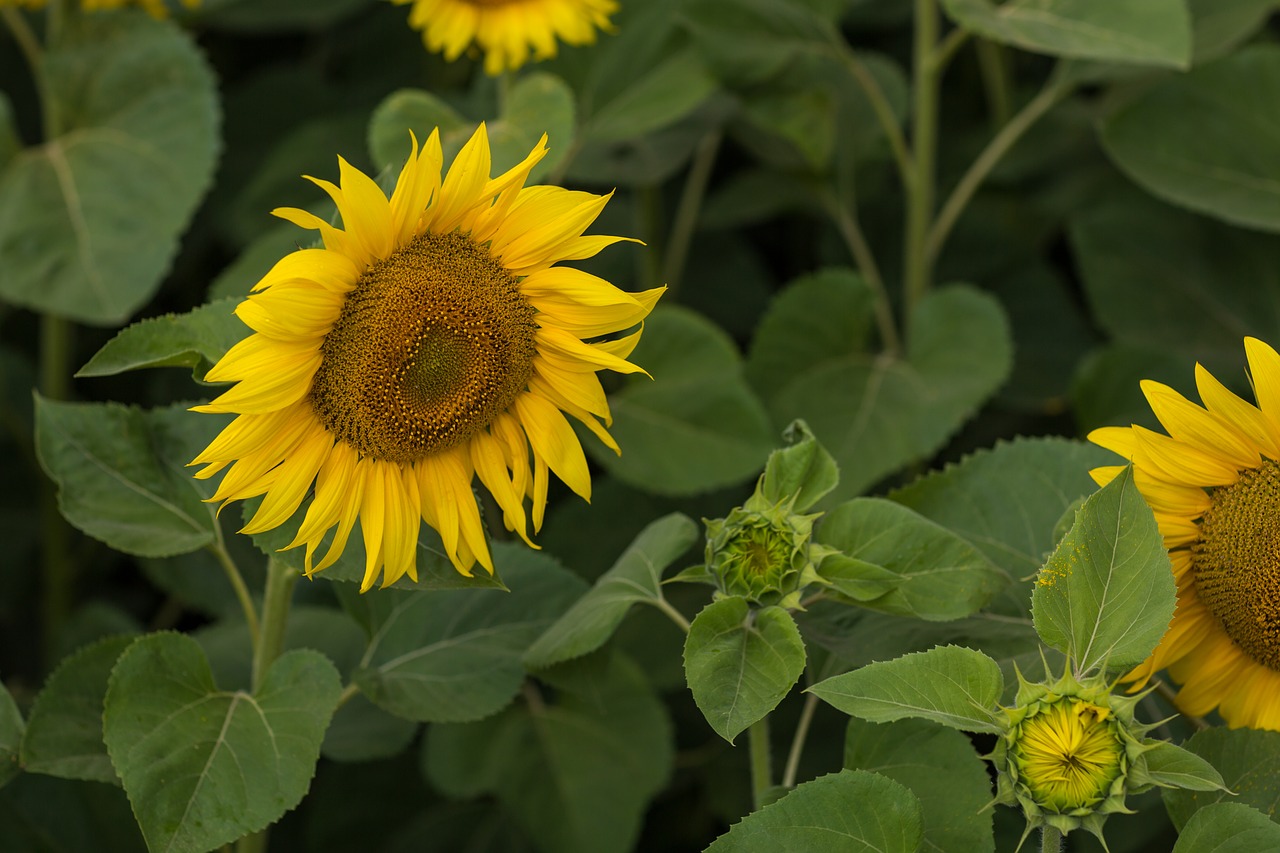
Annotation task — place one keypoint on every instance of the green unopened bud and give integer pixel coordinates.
(759, 554)
(1069, 754)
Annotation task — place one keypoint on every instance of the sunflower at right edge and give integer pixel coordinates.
(1214, 485)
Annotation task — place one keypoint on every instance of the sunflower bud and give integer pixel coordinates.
(760, 553)
(1071, 753)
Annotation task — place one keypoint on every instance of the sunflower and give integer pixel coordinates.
(1214, 485)
(507, 30)
(431, 340)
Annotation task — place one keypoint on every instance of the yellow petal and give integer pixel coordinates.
(419, 182)
(293, 480)
(1260, 429)
(297, 311)
(351, 499)
(331, 270)
(400, 536)
(553, 441)
(1177, 462)
(564, 351)
(373, 519)
(1199, 428)
(463, 184)
(1264, 368)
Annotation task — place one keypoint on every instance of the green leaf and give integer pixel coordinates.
(456, 656)
(11, 732)
(405, 110)
(940, 767)
(204, 767)
(64, 729)
(803, 472)
(121, 473)
(660, 97)
(876, 413)
(1171, 766)
(361, 731)
(696, 425)
(944, 577)
(1227, 165)
(847, 812)
(1153, 32)
(951, 685)
(858, 579)
(196, 339)
(576, 769)
(1106, 595)
(1163, 279)
(635, 578)
(1228, 828)
(1247, 760)
(1219, 25)
(90, 220)
(740, 662)
(1006, 501)
(750, 40)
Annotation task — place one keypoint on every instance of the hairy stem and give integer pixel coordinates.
(1050, 840)
(275, 616)
(761, 761)
(884, 114)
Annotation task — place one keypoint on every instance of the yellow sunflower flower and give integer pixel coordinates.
(431, 340)
(1214, 485)
(1068, 754)
(507, 30)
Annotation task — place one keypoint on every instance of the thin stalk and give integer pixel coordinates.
(918, 264)
(884, 114)
(993, 64)
(59, 569)
(675, 615)
(761, 761)
(24, 36)
(275, 616)
(1050, 840)
(851, 230)
(686, 218)
(348, 693)
(948, 48)
(797, 742)
(220, 553)
(999, 145)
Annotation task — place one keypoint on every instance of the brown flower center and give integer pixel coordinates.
(1237, 562)
(432, 345)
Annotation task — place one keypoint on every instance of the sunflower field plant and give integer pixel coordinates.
(595, 426)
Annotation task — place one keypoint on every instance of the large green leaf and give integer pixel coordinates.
(577, 769)
(1171, 766)
(64, 730)
(635, 578)
(1227, 162)
(1219, 25)
(1228, 828)
(1148, 32)
(876, 413)
(203, 766)
(951, 685)
(121, 473)
(89, 220)
(741, 662)
(943, 576)
(1247, 760)
(11, 729)
(1106, 595)
(658, 98)
(456, 656)
(940, 767)
(696, 425)
(749, 40)
(852, 811)
(1163, 279)
(196, 339)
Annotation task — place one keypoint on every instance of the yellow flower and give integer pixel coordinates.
(1068, 754)
(431, 340)
(507, 30)
(1214, 485)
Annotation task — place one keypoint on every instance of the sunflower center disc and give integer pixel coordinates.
(432, 345)
(1237, 562)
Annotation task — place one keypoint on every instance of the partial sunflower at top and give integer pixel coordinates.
(507, 31)
(1214, 485)
(432, 340)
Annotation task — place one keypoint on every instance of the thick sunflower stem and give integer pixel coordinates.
(761, 761)
(275, 616)
(926, 75)
(1050, 840)
(56, 342)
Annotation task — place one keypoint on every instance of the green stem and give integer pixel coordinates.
(797, 742)
(1050, 840)
(675, 615)
(999, 145)
(348, 693)
(884, 114)
(761, 761)
(686, 219)
(275, 615)
(948, 48)
(1170, 694)
(58, 568)
(851, 230)
(220, 553)
(993, 64)
(24, 36)
(649, 212)
(918, 264)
